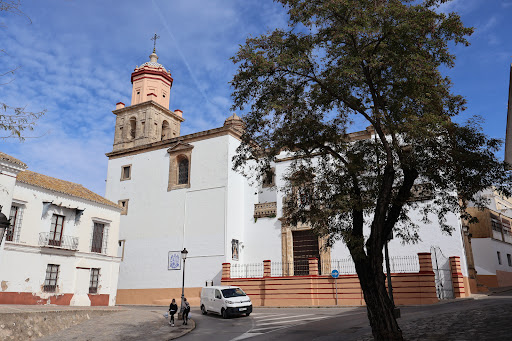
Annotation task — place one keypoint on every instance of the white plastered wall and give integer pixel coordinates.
(159, 221)
(486, 257)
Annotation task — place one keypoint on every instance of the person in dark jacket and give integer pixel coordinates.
(173, 308)
(186, 310)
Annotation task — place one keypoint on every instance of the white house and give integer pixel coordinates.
(181, 192)
(61, 247)
(491, 241)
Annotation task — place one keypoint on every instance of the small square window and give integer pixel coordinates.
(126, 172)
(499, 257)
(124, 204)
(509, 259)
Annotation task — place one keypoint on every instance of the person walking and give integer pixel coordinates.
(186, 310)
(173, 308)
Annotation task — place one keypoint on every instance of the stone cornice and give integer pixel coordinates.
(146, 104)
(203, 135)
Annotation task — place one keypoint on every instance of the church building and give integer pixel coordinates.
(179, 191)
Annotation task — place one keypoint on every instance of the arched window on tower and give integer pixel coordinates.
(182, 170)
(133, 127)
(166, 130)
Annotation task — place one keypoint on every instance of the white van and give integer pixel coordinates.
(225, 300)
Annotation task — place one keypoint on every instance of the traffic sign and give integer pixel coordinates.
(335, 273)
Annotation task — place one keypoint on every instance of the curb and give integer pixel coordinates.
(192, 324)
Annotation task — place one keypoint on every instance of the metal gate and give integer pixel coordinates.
(443, 273)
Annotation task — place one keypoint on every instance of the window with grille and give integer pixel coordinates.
(97, 237)
(12, 233)
(509, 259)
(182, 171)
(506, 226)
(52, 275)
(93, 285)
(495, 223)
(56, 230)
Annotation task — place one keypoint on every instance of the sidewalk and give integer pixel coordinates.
(27, 322)
(486, 317)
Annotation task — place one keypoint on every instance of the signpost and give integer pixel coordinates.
(335, 274)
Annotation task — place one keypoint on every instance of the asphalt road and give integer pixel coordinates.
(456, 320)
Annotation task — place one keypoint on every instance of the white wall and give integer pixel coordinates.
(24, 262)
(159, 221)
(486, 258)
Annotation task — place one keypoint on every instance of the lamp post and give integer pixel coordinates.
(184, 253)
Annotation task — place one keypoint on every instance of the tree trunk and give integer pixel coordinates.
(378, 305)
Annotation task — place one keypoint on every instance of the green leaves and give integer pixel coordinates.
(380, 61)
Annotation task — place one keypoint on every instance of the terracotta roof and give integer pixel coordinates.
(9, 158)
(62, 186)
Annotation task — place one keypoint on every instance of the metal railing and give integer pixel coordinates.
(403, 264)
(254, 270)
(346, 266)
(268, 209)
(297, 268)
(54, 240)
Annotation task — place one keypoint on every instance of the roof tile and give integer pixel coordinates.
(62, 186)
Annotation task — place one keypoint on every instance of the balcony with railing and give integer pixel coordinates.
(47, 239)
(267, 209)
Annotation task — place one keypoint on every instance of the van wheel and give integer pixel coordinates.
(203, 310)
(224, 313)
(247, 314)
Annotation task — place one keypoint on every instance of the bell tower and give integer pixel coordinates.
(148, 118)
(151, 82)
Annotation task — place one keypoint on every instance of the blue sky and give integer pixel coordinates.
(76, 58)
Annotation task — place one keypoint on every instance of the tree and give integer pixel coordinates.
(378, 60)
(14, 120)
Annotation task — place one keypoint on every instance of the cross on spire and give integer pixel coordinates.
(155, 37)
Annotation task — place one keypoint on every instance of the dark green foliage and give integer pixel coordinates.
(378, 60)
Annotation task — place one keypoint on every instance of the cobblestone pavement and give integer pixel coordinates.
(127, 325)
(488, 319)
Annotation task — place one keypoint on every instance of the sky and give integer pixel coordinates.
(75, 58)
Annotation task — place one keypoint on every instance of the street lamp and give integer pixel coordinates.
(184, 253)
(4, 225)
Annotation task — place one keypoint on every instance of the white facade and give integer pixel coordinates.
(54, 229)
(203, 218)
(210, 211)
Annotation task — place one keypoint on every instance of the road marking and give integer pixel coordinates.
(261, 327)
(259, 316)
(284, 317)
(297, 320)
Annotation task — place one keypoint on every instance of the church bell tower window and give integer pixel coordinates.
(165, 130)
(133, 127)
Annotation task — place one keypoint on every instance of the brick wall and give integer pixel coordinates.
(312, 290)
